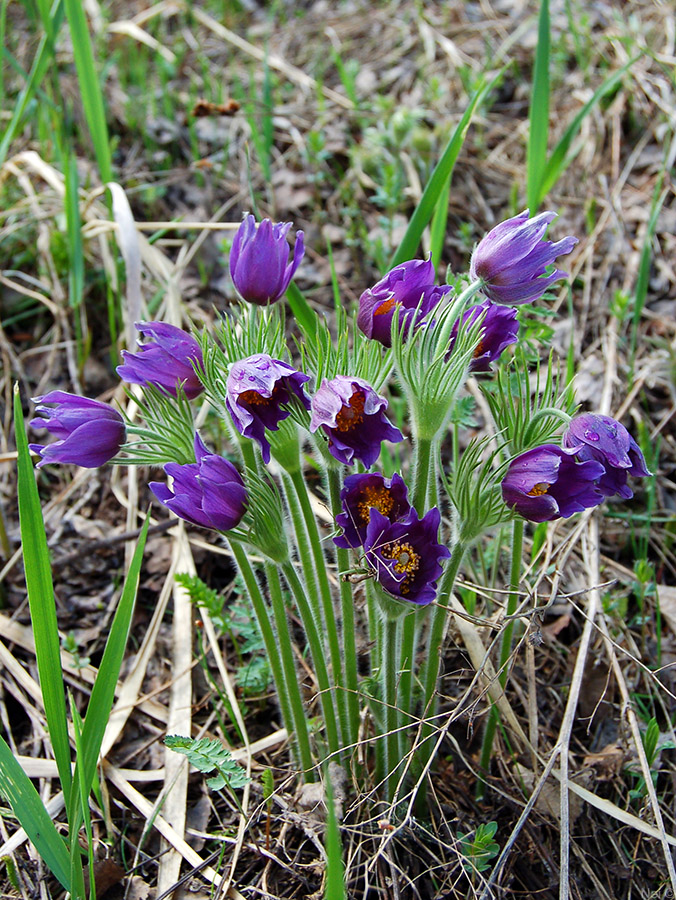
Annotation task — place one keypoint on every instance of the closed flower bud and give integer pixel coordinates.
(352, 416)
(258, 390)
(259, 260)
(547, 483)
(608, 442)
(512, 259)
(89, 433)
(209, 492)
(166, 361)
(409, 286)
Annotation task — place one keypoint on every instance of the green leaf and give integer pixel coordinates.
(40, 589)
(335, 868)
(29, 809)
(539, 113)
(206, 755)
(306, 318)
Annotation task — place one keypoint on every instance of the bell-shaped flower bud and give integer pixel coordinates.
(89, 432)
(166, 361)
(259, 260)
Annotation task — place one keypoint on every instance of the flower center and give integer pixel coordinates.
(352, 414)
(255, 398)
(539, 489)
(407, 561)
(377, 497)
(479, 349)
(385, 307)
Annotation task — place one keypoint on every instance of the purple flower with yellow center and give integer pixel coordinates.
(406, 555)
(608, 442)
(259, 260)
(362, 493)
(257, 391)
(89, 432)
(547, 483)
(512, 259)
(409, 286)
(166, 361)
(209, 492)
(352, 416)
(500, 327)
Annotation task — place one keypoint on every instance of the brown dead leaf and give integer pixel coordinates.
(667, 596)
(556, 627)
(138, 889)
(606, 763)
(549, 798)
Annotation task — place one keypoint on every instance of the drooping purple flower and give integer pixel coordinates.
(259, 260)
(352, 416)
(362, 493)
(500, 327)
(513, 257)
(607, 441)
(257, 390)
(165, 361)
(89, 432)
(406, 555)
(209, 492)
(407, 286)
(547, 483)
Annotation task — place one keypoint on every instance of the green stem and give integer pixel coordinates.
(505, 650)
(389, 668)
(351, 689)
(280, 653)
(317, 654)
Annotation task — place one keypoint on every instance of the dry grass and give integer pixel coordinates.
(585, 675)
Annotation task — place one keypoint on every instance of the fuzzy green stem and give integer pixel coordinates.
(389, 668)
(505, 649)
(317, 654)
(351, 690)
(315, 571)
(280, 654)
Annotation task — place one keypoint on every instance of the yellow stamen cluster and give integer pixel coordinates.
(539, 489)
(352, 414)
(407, 561)
(378, 497)
(384, 307)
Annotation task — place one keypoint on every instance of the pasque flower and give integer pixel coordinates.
(259, 260)
(607, 441)
(166, 361)
(364, 492)
(409, 286)
(352, 416)
(406, 554)
(500, 328)
(512, 259)
(257, 391)
(89, 432)
(547, 483)
(209, 492)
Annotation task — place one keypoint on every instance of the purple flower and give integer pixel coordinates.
(259, 260)
(209, 492)
(361, 494)
(406, 554)
(500, 327)
(350, 413)
(89, 432)
(547, 482)
(166, 361)
(406, 286)
(512, 258)
(603, 439)
(257, 390)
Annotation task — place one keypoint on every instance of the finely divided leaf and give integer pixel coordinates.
(206, 755)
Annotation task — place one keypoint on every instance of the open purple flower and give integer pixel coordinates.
(165, 361)
(257, 390)
(405, 286)
(259, 260)
(608, 442)
(406, 555)
(209, 492)
(547, 483)
(513, 257)
(352, 416)
(362, 493)
(89, 432)
(500, 328)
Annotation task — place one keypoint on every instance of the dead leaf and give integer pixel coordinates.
(667, 597)
(606, 763)
(549, 798)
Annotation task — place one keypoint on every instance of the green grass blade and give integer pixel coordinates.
(539, 113)
(643, 277)
(90, 89)
(305, 316)
(438, 226)
(561, 156)
(41, 601)
(29, 809)
(440, 176)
